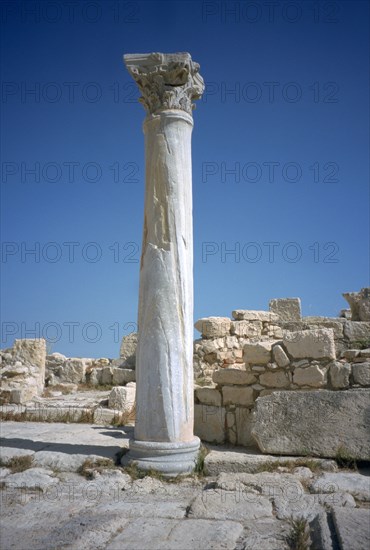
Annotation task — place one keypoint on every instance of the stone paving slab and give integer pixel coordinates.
(189, 534)
(251, 461)
(220, 504)
(348, 482)
(50, 506)
(71, 439)
(353, 528)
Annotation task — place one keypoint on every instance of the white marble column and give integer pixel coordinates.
(164, 437)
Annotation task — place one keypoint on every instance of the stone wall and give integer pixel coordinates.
(223, 339)
(257, 353)
(303, 360)
(93, 372)
(25, 370)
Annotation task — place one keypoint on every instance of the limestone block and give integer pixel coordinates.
(354, 483)
(174, 534)
(31, 351)
(318, 423)
(339, 374)
(313, 376)
(365, 353)
(37, 479)
(73, 370)
(275, 379)
(336, 324)
(210, 346)
(208, 396)
(359, 303)
(213, 327)
(98, 363)
(274, 332)
(280, 356)
(120, 377)
(287, 309)
(352, 527)
(128, 349)
(244, 422)
(233, 395)
(361, 373)
(233, 376)
(258, 353)
(231, 342)
(254, 315)
(246, 329)
(106, 376)
(221, 505)
(209, 423)
(357, 331)
(350, 354)
(309, 506)
(212, 358)
(23, 395)
(315, 344)
(122, 398)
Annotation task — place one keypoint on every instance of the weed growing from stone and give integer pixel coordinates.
(124, 418)
(344, 459)
(20, 463)
(199, 465)
(90, 466)
(298, 537)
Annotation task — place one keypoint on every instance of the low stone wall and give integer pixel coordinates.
(223, 339)
(26, 370)
(299, 361)
(94, 372)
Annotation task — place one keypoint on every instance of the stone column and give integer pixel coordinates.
(164, 438)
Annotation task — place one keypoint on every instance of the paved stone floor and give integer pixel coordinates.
(245, 501)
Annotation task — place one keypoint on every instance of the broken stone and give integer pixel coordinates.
(128, 350)
(213, 327)
(253, 315)
(280, 356)
(359, 303)
(287, 309)
(122, 398)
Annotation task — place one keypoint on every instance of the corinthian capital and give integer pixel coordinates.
(166, 81)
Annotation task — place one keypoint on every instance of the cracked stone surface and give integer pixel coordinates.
(54, 507)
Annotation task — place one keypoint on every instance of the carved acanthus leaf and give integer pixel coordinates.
(166, 81)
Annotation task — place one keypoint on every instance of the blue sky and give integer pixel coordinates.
(280, 160)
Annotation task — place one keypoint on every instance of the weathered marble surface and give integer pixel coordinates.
(164, 360)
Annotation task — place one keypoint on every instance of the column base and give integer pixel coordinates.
(170, 459)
